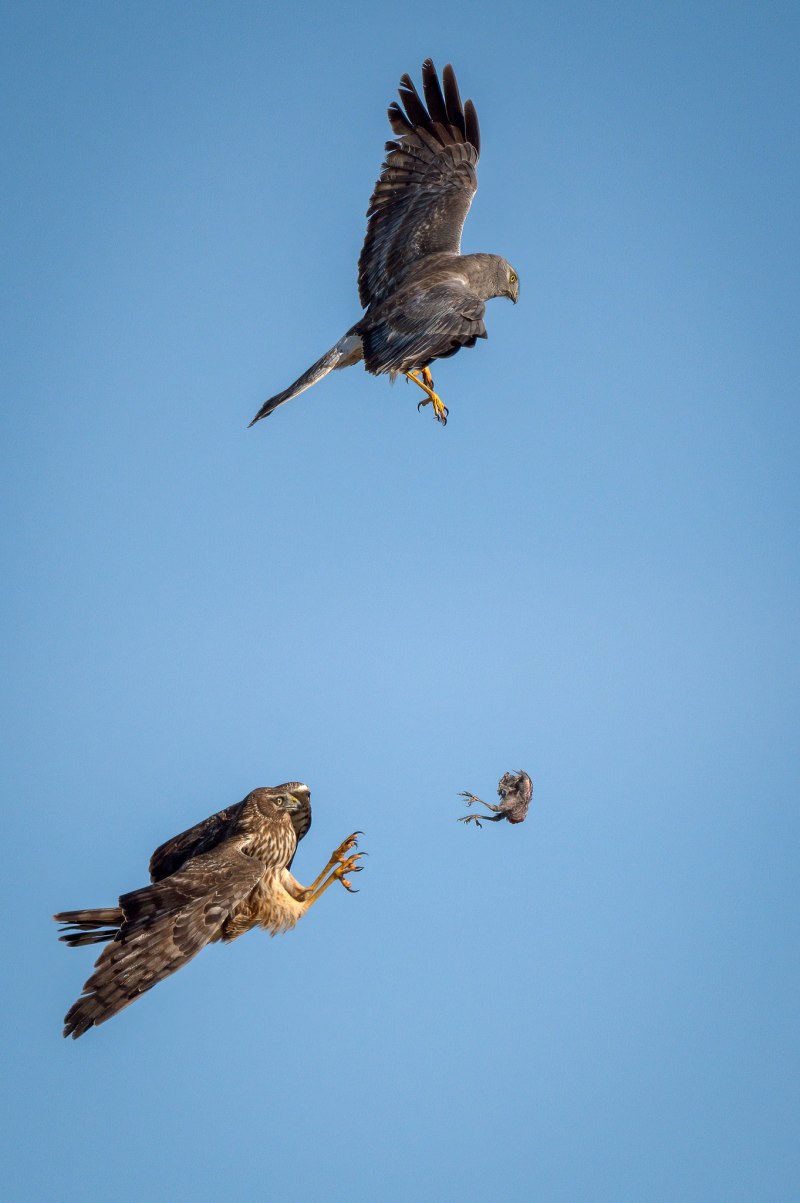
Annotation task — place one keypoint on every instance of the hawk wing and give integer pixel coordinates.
(164, 926)
(426, 185)
(171, 855)
(428, 325)
(301, 821)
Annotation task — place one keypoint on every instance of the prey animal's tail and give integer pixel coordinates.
(89, 927)
(347, 351)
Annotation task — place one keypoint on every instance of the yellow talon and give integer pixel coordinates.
(345, 846)
(440, 410)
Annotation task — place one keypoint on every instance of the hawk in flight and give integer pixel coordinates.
(423, 299)
(213, 882)
(515, 790)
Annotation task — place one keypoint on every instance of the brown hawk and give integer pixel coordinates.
(515, 790)
(213, 882)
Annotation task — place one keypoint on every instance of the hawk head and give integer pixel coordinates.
(508, 281)
(291, 796)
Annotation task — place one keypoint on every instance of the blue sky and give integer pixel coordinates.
(592, 574)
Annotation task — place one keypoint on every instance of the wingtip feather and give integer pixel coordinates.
(433, 92)
(452, 98)
(472, 127)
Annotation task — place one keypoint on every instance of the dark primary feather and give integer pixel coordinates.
(427, 183)
(89, 927)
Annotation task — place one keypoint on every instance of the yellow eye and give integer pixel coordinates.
(513, 278)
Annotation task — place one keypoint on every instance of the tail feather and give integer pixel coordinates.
(89, 927)
(346, 351)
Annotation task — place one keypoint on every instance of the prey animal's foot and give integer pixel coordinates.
(440, 410)
(471, 799)
(471, 819)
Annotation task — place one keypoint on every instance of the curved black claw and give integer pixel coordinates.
(349, 866)
(419, 407)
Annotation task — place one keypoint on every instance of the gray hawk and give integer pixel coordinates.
(423, 299)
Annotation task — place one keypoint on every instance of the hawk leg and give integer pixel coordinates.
(341, 864)
(425, 382)
(338, 874)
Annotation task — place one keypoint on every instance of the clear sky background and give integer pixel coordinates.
(591, 573)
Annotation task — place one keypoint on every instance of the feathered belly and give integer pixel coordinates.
(268, 906)
(280, 911)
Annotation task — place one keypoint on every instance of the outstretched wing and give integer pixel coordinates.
(164, 926)
(204, 836)
(426, 185)
(429, 325)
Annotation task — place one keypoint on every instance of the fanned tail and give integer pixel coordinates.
(348, 350)
(89, 927)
